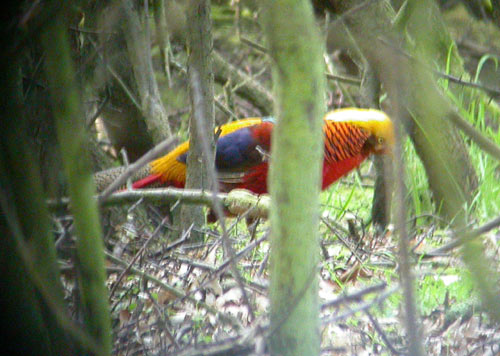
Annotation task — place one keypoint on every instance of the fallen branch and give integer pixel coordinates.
(236, 202)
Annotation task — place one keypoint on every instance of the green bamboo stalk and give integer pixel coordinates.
(71, 135)
(299, 87)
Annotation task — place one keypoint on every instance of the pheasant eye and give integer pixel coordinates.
(380, 140)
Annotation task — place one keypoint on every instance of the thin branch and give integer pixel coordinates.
(493, 92)
(117, 77)
(223, 316)
(406, 275)
(344, 79)
(253, 44)
(159, 149)
(237, 201)
(461, 238)
(217, 206)
(475, 135)
(382, 334)
(98, 112)
(363, 307)
(137, 255)
(352, 297)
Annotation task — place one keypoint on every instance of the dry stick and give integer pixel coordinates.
(161, 148)
(186, 196)
(217, 270)
(161, 315)
(493, 92)
(344, 79)
(260, 48)
(332, 229)
(363, 307)
(356, 296)
(236, 256)
(223, 316)
(253, 44)
(245, 85)
(98, 112)
(180, 240)
(217, 205)
(462, 238)
(225, 109)
(382, 334)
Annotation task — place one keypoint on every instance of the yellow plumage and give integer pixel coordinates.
(171, 169)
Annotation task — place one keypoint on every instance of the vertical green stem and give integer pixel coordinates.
(66, 107)
(295, 175)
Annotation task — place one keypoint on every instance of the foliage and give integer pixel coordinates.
(169, 294)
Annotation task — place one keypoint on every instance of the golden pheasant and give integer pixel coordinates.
(241, 159)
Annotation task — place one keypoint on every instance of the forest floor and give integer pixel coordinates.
(174, 296)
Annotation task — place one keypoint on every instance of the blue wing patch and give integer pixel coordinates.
(235, 149)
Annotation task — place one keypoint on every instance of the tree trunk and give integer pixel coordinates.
(138, 41)
(295, 175)
(201, 124)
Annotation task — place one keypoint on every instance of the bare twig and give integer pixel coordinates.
(94, 117)
(236, 202)
(224, 317)
(332, 229)
(137, 255)
(356, 296)
(363, 307)
(382, 334)
(475, 135)
(344, 79)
